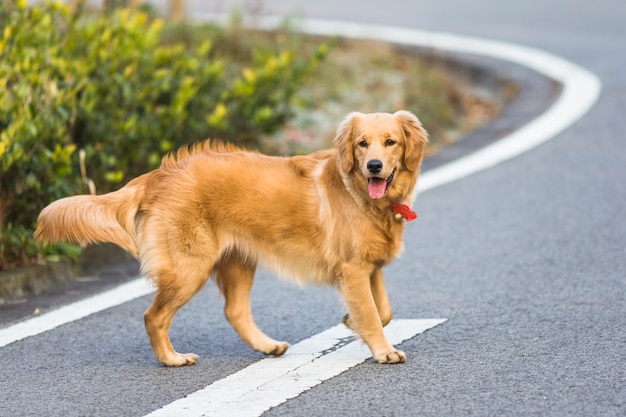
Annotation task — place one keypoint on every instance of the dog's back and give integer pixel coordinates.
(87, 219)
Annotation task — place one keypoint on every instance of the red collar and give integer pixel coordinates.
(402, 211)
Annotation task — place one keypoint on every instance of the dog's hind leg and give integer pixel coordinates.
(174, 290)
(234, 277)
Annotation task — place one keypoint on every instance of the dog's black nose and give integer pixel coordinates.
(374, 166)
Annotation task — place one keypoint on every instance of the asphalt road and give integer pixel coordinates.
(526, 260)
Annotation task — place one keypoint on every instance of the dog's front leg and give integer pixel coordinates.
(380, 296)
(380, 299)
(356, 288)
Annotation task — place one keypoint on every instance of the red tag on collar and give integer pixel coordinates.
(404, 211)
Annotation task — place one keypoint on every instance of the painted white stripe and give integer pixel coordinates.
(272, 381)
(75, 311)
(580, 91)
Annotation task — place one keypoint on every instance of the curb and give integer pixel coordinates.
(535, 94)
(33, 289)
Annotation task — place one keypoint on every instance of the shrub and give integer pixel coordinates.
(108, 95)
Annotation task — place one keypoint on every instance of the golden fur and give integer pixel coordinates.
(213, 209)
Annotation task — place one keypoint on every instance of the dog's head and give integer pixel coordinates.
(383, 150)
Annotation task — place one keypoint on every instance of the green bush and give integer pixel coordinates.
(99, 100)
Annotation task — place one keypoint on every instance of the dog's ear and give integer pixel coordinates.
(416, 139)
(344, 140)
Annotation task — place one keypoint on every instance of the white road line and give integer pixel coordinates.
(580, 91)
(272, 381)
(75, 311)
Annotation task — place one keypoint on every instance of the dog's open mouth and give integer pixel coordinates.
(377, 187)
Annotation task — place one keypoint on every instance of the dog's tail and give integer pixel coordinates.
(86, 219)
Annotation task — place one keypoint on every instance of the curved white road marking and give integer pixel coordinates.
(580, 91)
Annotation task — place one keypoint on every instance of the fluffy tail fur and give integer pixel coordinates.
(86, 219)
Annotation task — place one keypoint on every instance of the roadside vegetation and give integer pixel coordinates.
(90, 101)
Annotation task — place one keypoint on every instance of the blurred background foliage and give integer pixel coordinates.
(91, 100)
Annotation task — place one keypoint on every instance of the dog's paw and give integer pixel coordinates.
(180, 360)
(392, 356)
(279, 349)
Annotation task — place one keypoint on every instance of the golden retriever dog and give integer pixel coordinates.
(333, 217)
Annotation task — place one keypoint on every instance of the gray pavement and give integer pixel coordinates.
(526, 260)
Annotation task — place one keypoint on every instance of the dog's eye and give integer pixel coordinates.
(390, 142)
(363, 144)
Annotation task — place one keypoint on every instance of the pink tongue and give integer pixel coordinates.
(376, 187)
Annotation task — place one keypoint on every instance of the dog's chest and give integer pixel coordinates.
(380, 244)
